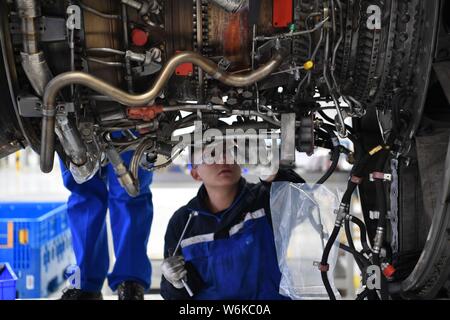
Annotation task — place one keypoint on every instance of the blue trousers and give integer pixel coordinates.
(131, 219)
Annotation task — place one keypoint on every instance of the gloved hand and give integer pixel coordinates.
(174, 271)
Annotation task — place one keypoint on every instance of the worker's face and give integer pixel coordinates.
(222, 172)
(217, 175)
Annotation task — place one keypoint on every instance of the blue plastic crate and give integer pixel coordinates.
(7, 282)
(35, 239)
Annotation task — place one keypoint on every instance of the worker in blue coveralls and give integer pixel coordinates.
(131, 220)
(220, 246)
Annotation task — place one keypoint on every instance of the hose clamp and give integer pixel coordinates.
(341, 213)
(323, 267)
(380, 176)
(48, 112)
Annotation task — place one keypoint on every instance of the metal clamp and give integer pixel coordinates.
(380, 176)
(341, 213)
(65, 108)
(323, 267)
(48, 112)
(374, 215)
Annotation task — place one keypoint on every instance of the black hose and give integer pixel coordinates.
(323, 144)
(351, 136)
(348, 234)
(381, 200)
(363, 295)
(357, 171)
(325, 137)
(361, 261)
(352, 252)
(381, 196)
(331, 121)
(326, 252)
(334, 163)
(363, 234)
(324, 262)
(346, 198)
(335, 156)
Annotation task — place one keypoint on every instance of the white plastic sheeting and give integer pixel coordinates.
(303, 218)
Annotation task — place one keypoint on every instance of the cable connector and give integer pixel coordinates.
(341, 213)
(388, 270)
(378, 240)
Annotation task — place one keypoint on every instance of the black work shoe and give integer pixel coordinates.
(77, 294)
(130, 290)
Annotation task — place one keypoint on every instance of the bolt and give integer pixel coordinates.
(403, 37)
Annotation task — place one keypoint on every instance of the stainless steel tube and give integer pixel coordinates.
(196, 107)
(30, 35)
(84, 79)
(131, 100)
(33, 60)
(71, 140)
(98, 13)
(133, 3)
(28, 11)
(126, 180)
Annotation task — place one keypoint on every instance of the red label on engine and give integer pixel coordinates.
(185, 70)
(282, 13)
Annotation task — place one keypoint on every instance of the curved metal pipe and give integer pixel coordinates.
(137, 157)
(106, 63)
(131, 100)
(98, 13)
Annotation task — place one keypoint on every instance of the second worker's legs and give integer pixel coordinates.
(131, 219)
(86, 210)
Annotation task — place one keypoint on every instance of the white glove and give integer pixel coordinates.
(174, 271)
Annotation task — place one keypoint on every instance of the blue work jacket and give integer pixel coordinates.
(229, 255)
